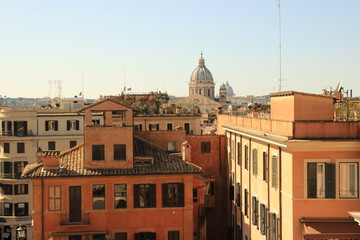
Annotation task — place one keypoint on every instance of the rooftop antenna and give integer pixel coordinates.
(339, 87)
(280, 79)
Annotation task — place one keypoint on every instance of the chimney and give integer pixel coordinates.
(51, 159)
(39, 155)
(186, 151)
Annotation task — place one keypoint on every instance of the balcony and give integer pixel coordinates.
(18, 133)
(12, 219)
(65, 220)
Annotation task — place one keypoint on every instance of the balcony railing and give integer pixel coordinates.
(12, 219)
(65, 220)
(10, 175)
(19, 133)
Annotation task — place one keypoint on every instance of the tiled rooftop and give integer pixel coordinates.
(72, 164)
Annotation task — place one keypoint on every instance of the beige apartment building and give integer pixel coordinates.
(23, 131)
(294, 175)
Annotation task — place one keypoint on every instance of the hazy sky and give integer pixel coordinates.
(159, 43)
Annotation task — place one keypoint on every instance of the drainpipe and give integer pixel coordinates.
(42, 209)
(280, 195)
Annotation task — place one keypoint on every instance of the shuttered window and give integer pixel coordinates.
(255, 161)
(246, 202)
(55, 198)
(264, 169)
(173, 194)
(320, 180)
(144, 195)
(145, 236)
(255, 211)
(274, 171)
(263, 215)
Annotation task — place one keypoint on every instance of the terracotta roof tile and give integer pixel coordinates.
(72, 164)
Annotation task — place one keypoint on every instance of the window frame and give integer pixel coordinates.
(205, 147)
(54, 198)
(148, 192)
(95, 153)
(175, 189)
(355, 182)
(120, 195)
(98, 197)
(20, 147)
(119, 152)
(51, 145)
(6, 147)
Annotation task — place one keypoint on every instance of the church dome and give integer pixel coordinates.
(229, 90)
(201, 73)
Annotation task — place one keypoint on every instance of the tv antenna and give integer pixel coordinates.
(280, 79)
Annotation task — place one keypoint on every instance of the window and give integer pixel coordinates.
(246, 157)
(6, 147)
(349, 180)
(20, 128)
(195, 195)
(171, 146)
(120, 196)
(51, 125)
(95, 121)
(119, 152)
(98, 153)
(187, 128)
(145, 236)
(173, 194)
(274, 171)
(138, 127)
(205, 147)
(121, 236)
(255, 161)
(99, 237)
(144, 195)
(210, 188)
(255, 211)
(317, 175)
(72, 125)
(232, 150)
(19, 168)
(6, 128)
(73, 144)
(239, 152)
(21, 209)
(238, 194)
(154, 127)
(6, 170)
(20, 147)
(55, 198)
(75, 237)
(169, 126)
(264, 155)
(263, 215)
(272, 226)
(117, 117)
(51, 146)
(173, 235)
(6, 209)
(246, 203)
(20, 189)
(6, 189)
(98, 196)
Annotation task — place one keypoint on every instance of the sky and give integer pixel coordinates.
(100, 46)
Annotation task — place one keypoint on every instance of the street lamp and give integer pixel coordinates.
(21, 233)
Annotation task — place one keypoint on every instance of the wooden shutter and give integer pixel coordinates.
(329, 180)
(164, 195)
(56, 125)
(68, 125)
(25, 128)
(152, 236)
(262, 219)
(152, 195)
(311, 180)
(3, 127)
(181, 195)
(136, 197)
(264, 166)
(77, 124)
(46, 125)
(149, 127)
(253, 212)
(157, 127)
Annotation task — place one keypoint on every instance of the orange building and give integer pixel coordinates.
(115, 186)
(295, 175)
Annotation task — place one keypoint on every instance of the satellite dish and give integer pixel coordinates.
(338, 87)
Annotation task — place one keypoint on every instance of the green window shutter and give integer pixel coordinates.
(311, 180)
(330, 180)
